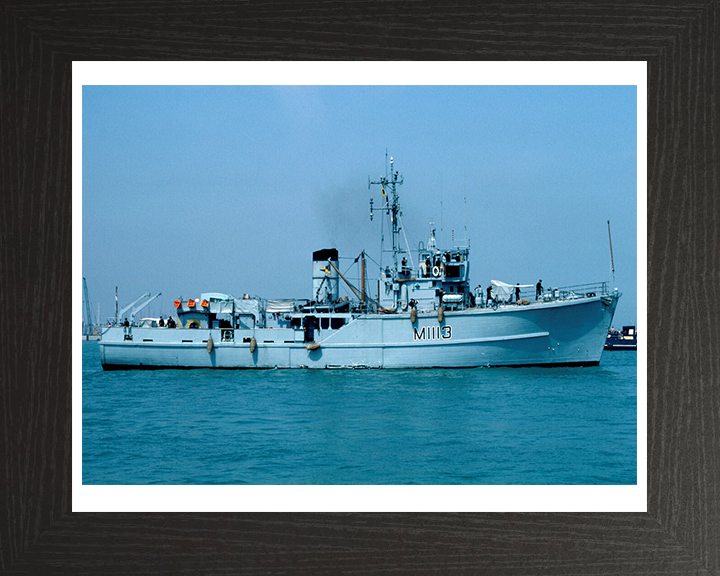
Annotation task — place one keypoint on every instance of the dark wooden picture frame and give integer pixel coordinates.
(681, 530)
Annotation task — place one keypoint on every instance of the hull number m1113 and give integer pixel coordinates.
(432, 333)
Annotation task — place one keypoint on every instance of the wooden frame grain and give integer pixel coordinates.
(680, 532)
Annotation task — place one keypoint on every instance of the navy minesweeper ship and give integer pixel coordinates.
(425, 315)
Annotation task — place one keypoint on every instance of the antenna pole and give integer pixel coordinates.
(442, 234)
(467, 242)
(612, 261)
(362, 277)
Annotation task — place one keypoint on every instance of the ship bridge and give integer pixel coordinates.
(441, 277)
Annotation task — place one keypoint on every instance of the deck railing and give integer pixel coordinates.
(571, 292)
(561, 293)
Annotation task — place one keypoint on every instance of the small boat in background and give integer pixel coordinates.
(621, 340)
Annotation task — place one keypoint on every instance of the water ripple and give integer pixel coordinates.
(478, 426)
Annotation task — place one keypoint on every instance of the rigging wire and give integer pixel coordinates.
(407, 244)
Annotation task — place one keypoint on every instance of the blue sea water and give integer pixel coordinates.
(470, 426)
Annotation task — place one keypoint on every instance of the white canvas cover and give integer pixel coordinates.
(279, 306)
(210, 296)
(503, 292)
(219, 303)
(221, 306)
(248, 306)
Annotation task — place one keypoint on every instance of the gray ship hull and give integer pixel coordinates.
(557, 333)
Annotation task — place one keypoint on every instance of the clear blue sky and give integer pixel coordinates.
(230, 189)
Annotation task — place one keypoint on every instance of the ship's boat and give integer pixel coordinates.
(424, 315)
(625, 339)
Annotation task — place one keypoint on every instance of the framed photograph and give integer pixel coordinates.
(677, 530)
(518, 164)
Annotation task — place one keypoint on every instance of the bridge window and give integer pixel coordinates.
(452, 271)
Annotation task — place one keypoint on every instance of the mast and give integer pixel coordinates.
(391, 206)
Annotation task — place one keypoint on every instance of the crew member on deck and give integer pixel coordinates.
(538, 289)
(161, 323)
(517, 292)
(489, 294)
